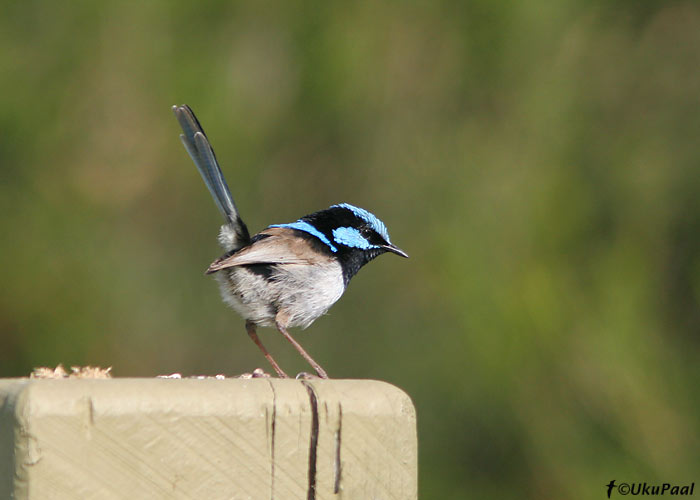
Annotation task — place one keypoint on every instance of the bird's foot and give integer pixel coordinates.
(308, 376)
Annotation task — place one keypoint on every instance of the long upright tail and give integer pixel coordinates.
(201, 152)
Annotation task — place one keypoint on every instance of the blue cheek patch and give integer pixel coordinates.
(308, 228)
(351, 237)
(368, 217)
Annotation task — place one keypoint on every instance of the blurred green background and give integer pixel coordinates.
(539, 161)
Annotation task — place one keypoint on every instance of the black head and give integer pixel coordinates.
(352, 234)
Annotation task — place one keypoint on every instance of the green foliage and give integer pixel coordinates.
(538, 161)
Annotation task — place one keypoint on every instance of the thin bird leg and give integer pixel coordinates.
(250, 328)
(321, 372)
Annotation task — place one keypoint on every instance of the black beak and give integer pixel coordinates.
(394, 249)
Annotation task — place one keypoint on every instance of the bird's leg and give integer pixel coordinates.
(321, 372)
(250, 328)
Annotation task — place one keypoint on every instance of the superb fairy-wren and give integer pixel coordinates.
(287, 275)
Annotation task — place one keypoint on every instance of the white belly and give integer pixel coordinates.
(300, 293)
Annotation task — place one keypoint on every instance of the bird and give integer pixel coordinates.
(289, 274)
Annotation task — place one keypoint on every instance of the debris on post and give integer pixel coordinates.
(183, 438)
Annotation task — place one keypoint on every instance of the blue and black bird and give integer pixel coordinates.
(287, 275)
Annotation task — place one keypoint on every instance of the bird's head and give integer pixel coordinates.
(350, 229)
(352, 234)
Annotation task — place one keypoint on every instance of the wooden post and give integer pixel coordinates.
(206, 439)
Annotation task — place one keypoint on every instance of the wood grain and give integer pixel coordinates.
(206, 439)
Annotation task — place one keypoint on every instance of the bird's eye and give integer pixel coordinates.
(366, 232)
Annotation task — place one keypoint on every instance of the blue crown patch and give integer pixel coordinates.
(368, 217)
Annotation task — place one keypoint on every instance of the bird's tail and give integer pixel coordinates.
(235, 233)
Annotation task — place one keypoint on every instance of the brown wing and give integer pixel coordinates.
(281, 246)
